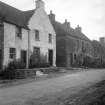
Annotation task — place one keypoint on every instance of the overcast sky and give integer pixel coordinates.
(89, 14)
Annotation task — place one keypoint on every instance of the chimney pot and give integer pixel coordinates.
(40, 4)
(65, 20)
(52, 16)
(51, 12)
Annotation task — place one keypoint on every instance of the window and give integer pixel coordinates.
(75, 56)
(12, 52)
(77, 45)
(87, 45)
(36, 51)
(82, 46)
(19, 32)
(50, 38)
(37, 35)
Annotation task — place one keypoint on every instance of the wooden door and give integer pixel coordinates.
(51, 57)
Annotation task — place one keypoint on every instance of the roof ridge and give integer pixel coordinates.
(11, 6)
(73, 34)
(15, 16)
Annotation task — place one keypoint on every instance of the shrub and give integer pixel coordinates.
(38, 61)
(10, 71)
(93, 62)
(39, 65)
(88, 61)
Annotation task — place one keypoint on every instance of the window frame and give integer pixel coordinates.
(12, 53)
(36, 50)
(37, 37)
(50, 38)
(78, 44)
(19, 32)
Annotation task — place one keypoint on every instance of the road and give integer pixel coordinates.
(21, 93)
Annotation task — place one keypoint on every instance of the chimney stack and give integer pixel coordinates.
(52, 16)
(78, 28)
(67, 24)
(40, 4)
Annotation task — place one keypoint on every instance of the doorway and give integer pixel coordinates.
(24, 56)
(50, 54)
(0, 58)
(71, 59)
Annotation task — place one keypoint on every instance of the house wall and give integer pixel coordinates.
(12, 41)
(61, 51)
(76, 46)
(1, 43)
(1, 35)
(40, 21)
(68, 46)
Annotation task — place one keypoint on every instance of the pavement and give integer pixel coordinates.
(21, 93)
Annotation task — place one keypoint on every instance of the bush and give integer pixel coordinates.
(10, 71)
(88, 61)
(38, 61)
(93, 62)
(39, 65)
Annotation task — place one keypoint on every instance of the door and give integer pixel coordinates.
(71, 58)
(51, 57)
(24, 56)
(36, 55)
(0, 59)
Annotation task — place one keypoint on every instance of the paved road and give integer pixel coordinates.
(36, 89)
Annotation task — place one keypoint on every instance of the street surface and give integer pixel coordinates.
(18, 95)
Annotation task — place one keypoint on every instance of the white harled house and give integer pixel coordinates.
(23, 33)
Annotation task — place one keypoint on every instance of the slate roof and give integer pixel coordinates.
(15, 16)
(21, 18)
(61, 30)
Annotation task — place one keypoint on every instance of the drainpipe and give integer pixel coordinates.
(28, 52)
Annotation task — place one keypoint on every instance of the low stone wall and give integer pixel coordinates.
(31, 73)
(25, 73)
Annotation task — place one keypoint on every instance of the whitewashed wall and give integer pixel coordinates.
(12, 41)
(41, 22)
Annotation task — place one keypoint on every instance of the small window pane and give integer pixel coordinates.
(50, 38)
(12, 53)
(19, 32)
(36, 35)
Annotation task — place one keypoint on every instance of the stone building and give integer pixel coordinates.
(71, 44)
(102, 41)
(23, 33)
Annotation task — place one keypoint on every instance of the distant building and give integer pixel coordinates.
(23, 33)
(98, 51)
(102, 41)
(71, 44)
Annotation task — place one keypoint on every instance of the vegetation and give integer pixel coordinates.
(10, 71)
(38, 61)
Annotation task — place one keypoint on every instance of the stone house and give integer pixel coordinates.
(23, 33)
(71, 44)
(102, 41)
(99, 49)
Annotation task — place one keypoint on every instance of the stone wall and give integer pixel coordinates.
(61, 51)
(40, 21)
(12, 41)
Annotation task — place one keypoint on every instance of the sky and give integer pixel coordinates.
(89, 14)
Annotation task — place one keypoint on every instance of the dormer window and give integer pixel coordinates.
(37, 35)
(19, 32)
